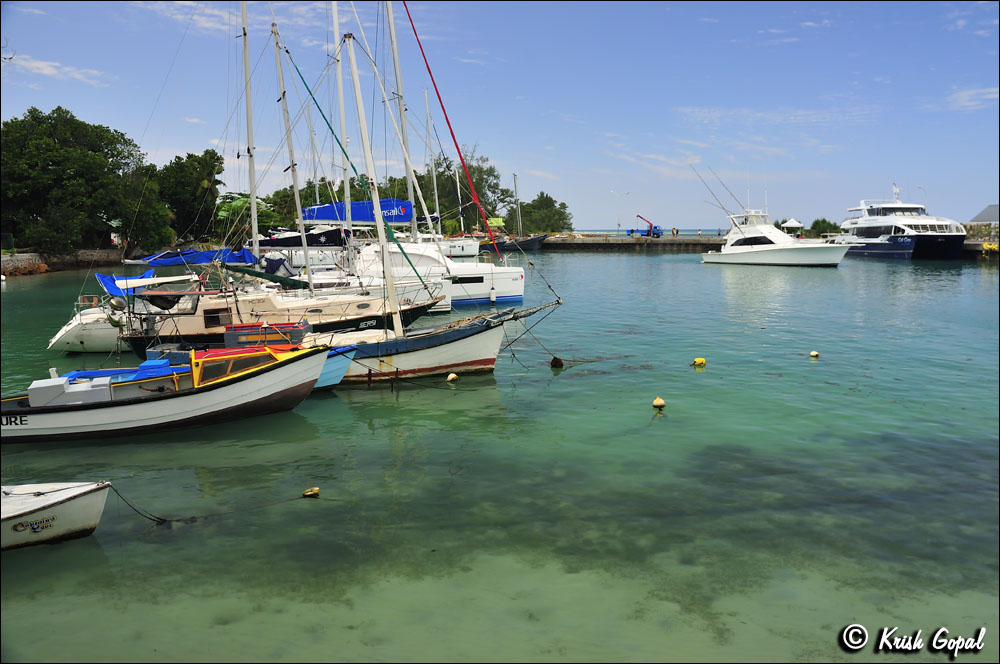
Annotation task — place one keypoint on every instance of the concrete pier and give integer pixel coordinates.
(593, 242)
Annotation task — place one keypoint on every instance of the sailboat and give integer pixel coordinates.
(467, 346)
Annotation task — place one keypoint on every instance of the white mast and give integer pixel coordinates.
(402, 118)
(517, 198)
(250, 147)
(343, 156)
(430, 142)
(458, 187)
(291, 155)
(390, 286)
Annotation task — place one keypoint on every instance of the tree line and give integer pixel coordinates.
(66, 184)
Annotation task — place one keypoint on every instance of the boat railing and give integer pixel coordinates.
(84, 302)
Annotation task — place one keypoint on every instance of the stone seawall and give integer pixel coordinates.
(37, 263)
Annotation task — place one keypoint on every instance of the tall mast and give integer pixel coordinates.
(390, 285)
(461, 216)
(430, 141)
(518, 200)
(250, 146)
(291, 155)
(402, 116)
(343, 132)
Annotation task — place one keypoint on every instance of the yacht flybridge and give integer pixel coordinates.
(753, 240)
(898, 230)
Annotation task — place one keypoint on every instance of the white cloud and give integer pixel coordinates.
(200, 15)
(970, 100)
(30, 10)
(58, 70)
(708, 20)
(696, 144)
(471, 61)
(543, 174)
(195, 121)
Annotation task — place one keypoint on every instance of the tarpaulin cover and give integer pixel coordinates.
(192, 257)
(107, 282)
(392, 210)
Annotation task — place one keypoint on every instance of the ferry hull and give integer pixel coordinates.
(896, 246)
(938, 247)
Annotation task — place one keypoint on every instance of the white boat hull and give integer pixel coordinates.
(475, 354)
(88, 331)
(806, 255)
(380, 356)
(262, 392)
(63, 511)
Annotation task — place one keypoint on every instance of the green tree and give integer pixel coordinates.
(542, 215)
(63, 181)
(190, 188)
(820, 226)
(233, 218)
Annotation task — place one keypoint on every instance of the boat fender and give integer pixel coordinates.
(493, 294)
(312, 492)
(114, 322)
(813, 354)
(698, 362)
(659, 403)
(452, 378)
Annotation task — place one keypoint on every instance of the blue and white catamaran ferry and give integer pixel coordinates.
(893, 229)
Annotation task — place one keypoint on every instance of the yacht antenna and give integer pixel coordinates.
(895, 192)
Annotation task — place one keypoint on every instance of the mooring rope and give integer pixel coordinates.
(192, 519)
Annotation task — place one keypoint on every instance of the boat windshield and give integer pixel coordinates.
(897, 212)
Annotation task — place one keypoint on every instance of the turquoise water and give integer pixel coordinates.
(542, 514)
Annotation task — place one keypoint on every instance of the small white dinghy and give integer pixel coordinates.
(48, 513)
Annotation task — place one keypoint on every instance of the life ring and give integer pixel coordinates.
(89, 301)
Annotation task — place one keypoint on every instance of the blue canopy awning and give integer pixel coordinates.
(107, 282)
(192, 257)
(392, 210)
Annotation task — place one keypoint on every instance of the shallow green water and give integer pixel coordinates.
(550, 515)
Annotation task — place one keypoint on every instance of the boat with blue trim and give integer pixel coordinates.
(213, 386)
(894, 229)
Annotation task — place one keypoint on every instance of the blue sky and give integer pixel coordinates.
(605, 106)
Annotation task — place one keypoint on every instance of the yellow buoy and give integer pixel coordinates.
(813, 354)
(311, 493)
(659, 403)
(698, 362)
(452, 378)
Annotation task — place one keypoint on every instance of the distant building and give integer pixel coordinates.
(985, 224)
(987, 216)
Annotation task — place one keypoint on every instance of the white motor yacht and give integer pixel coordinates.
(893, 229)
(753, 240)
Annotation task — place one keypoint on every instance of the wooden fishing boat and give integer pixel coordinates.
(284, 335)
(214, 386)
(49, 513)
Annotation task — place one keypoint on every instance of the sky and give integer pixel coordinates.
(613, 108)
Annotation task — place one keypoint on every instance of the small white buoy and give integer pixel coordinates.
(452, 378)
(813, 354)
(311, 492)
